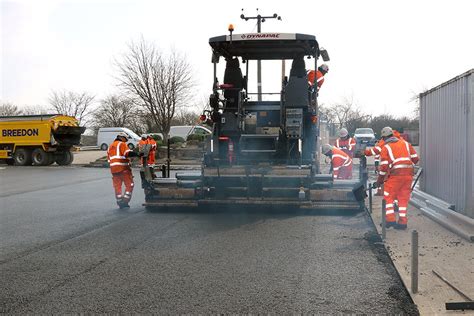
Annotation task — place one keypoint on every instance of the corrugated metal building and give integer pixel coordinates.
(447, 142)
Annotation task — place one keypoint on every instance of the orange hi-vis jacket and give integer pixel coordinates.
(397, 157)
(319, 78)
(377, 149)
(152, 154)
(142, 143)
(117, 156)
(339, 160)
(347, 145)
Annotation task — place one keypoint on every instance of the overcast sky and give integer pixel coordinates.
(382, 52)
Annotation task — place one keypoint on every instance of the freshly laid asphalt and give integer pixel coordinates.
(66, 248)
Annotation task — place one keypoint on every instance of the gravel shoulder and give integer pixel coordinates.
(439, 250)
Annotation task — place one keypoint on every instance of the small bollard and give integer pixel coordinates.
(163, 171)
(370, 199)
(384, 211)
(414, 262)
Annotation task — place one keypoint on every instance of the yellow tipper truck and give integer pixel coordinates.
(38, 139)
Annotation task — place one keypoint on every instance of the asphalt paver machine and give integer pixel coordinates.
(264, 149)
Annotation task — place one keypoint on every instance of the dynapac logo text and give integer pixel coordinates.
(20, 132)
(266, 35)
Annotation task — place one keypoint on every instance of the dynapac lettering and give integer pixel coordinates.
(20, 132)
(260, 35)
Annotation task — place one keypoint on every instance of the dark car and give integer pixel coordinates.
(365, 135)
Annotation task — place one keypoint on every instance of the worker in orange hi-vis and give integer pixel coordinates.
(152, 155)
(375, 151)
(341, 162)
(397, 160)
(347, 144)
(118, 156)
(320, 73)
(141, 145)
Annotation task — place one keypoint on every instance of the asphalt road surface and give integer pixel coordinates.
(66, 248)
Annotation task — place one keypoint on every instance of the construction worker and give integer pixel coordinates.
(118, 157)
(340, 161)
(320, 73)
(397, 160)
(375, 151)
(141, 145)
(152, 154)
(347, 144)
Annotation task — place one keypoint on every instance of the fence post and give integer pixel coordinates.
(370, 199)
(384, 211)
(414, 262)
(168, 167)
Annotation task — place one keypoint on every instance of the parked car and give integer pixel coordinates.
(106, 135)
(365, 135)
(185, 131)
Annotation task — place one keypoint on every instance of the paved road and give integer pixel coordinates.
(65, 248)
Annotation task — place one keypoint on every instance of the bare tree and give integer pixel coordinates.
(9, 109)
(77, 104)
(162, 83)
(184, 117)
(346, 114)
(34, 110)
(117, 110)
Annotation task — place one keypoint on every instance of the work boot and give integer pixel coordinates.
(123, 204)
(390, 224)
(401, 226)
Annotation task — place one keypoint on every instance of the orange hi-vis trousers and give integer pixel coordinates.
(397, 188)
(123, 178)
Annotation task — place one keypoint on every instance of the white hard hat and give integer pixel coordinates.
(386, 131)
(326, 148)
(122, 134)
(324, 68)
(343, 132)
(144, 136)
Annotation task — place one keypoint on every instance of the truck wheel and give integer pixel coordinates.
(104, 147)
(131, 146)
(64, 158)
(22, 157)
(40, 157)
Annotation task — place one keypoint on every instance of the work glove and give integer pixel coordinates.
(379, 181)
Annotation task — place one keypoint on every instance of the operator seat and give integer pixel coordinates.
(233, 76)
(296, 92)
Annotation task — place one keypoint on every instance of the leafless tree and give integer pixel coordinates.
(415, 98)
(34, 110)
(9, 109)
(185, 117)
(117, 110)
(77, 104)
(161, 82)
(345, 114)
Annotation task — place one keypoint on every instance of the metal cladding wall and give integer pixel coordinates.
(447, 142)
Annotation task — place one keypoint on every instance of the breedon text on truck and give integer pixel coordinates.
(38, 139)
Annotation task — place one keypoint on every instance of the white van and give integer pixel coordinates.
(106, 136)
(185, 131)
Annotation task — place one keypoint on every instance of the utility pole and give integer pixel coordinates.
(260, 19)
